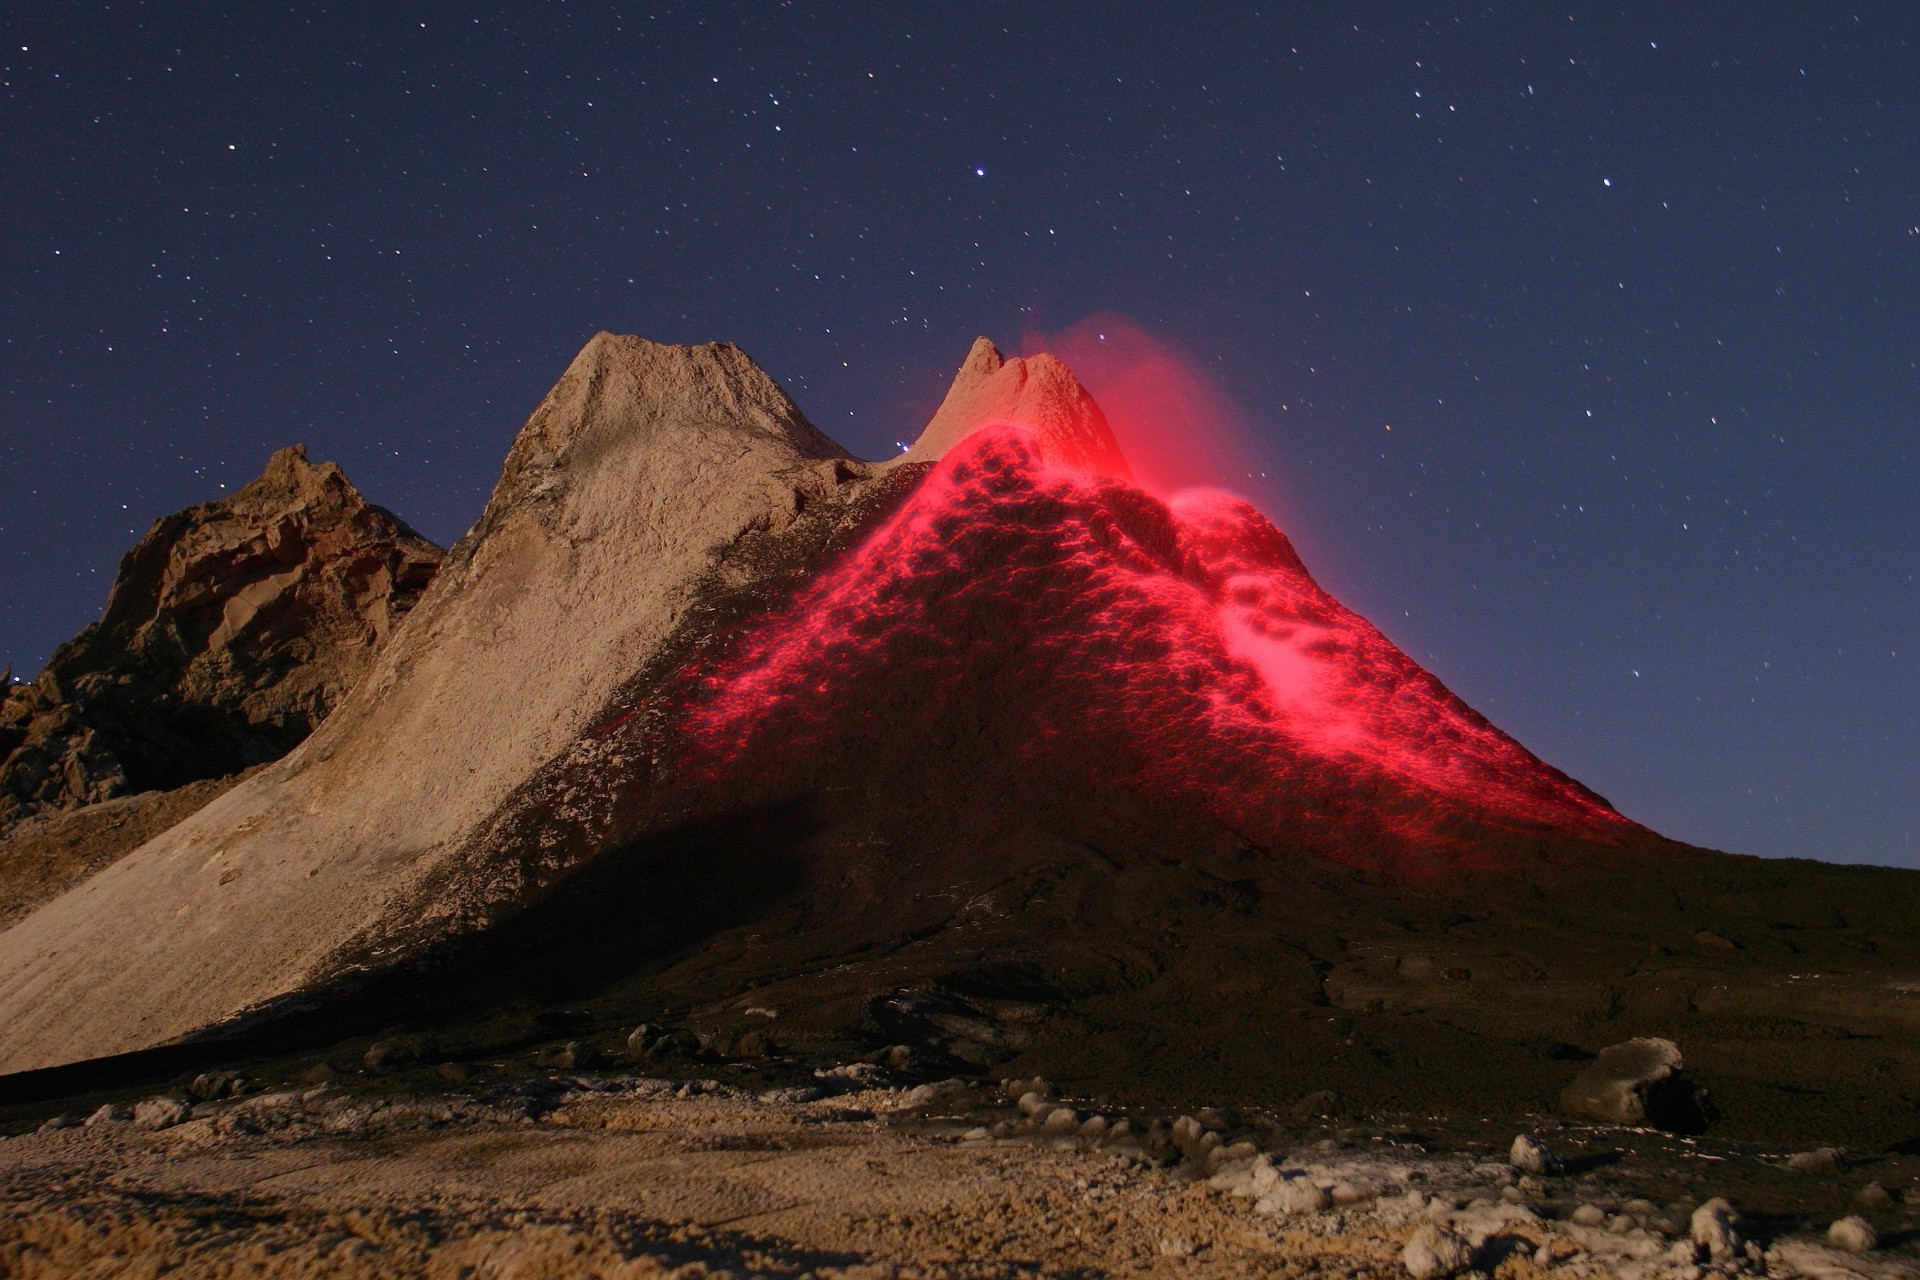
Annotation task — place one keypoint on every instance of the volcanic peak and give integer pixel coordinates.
(1070, 626)
(1036, 392)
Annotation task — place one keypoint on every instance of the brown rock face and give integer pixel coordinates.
(231, 630)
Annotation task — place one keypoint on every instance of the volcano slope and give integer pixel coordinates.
(993, 755)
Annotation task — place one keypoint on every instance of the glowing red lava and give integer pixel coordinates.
(1025, 615)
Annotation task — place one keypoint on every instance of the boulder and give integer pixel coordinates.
(1716, 1228)
(1853, 1234)
(1530, 1155)
(1639, 1083)
(1433, 1253)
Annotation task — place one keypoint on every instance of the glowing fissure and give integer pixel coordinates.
(1020, 611)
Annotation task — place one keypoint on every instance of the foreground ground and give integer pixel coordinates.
(509, 1174)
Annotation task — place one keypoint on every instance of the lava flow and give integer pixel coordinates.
(1029, 618)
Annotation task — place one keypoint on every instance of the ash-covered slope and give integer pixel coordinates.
(628, 485)
(231, 630)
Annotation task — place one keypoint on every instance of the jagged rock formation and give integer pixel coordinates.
(992, 755)
(231, 630)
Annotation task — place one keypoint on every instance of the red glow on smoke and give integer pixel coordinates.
(1174, 424)
(1037, 626)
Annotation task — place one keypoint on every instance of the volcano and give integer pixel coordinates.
(986, 749)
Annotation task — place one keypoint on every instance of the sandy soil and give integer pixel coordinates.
(618, 1176)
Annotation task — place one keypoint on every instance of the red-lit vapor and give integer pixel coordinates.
(1173, 424)
(1034, 620)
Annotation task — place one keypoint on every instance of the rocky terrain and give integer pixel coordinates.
(489, 1169)
(985, 762)
(231, 630)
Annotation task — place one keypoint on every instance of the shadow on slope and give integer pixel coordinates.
(633, 907)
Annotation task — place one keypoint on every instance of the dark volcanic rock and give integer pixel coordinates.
(231, 630)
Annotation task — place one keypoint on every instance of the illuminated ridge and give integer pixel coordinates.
(1079, 630)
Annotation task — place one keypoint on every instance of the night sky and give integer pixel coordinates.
(1634, 289)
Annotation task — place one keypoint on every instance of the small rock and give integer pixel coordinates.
(454, 1072)
(1683, 1252)
(1345, 1193)
(756, 1044)
(396, 1052)
(211, 1086)
(1033, 1101)
(1094, 1127)
(975, 1135)
(854, 1075)
(652, 1042)
(1530, 1155)
(161, 1113)
(108, 1113)
(1512, 1195)
(1293, 1195)
(1433, 1253)
(65, 1120)
(1263, 1177)
(895, 1057)
(1320, 1103)
(1236, 1179)
(569, 1056)
(1016, 1088)
(1854, 1234)
(1186, 1134)
(1588, 1215)
(1176, 1247)
(1874, 1196)
(1716, 1228)
(924, 1095)
(1639, 1082)
(1824, 1160)
(1619, 1224)
(1061, 1120)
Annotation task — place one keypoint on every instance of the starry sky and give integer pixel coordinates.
(1578, 343)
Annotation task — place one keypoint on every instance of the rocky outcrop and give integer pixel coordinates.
(231, 630)
(629, 487)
